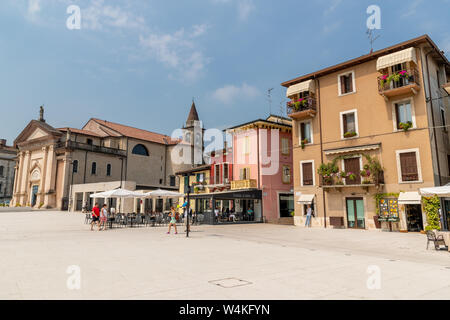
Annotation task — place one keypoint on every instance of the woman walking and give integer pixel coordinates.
(308, 216)
(173, 220)
(103, 218)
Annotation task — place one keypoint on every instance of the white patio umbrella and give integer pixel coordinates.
(118, 193)
(162, 194)
(443, 192)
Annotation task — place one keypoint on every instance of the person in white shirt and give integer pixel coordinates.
(308, 216)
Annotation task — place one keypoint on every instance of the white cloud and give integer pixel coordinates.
(245, 7)
(332, 7)
(330, 28)
(98, 16)
(412, 9)
(230, 93)
(34, 6)
(178, 51)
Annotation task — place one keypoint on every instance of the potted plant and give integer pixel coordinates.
(351, 176)
(350, 134)
(304, 142)
(405, 126)
(366, 181)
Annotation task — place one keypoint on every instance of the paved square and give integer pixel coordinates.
(37, 250)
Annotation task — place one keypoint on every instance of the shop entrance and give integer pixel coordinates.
(286, 205)
(355, 213)
(414, 217)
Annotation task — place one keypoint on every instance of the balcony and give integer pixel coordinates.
(243, 184)
(361, 182)
(302, 108)
(92, 148)
(400, 83)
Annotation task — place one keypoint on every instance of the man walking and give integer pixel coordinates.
(95, 217)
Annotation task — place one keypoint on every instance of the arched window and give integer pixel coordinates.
(108, 170)
(140, 150)
(1, 171)
(75, 166)
(94, 168)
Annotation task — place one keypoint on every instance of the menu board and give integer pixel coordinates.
(389, 207)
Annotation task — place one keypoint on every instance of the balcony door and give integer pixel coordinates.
(355, 213)
(352, 165)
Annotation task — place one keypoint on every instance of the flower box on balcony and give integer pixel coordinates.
(399, 83)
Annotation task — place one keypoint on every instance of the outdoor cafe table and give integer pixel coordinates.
(446, 236)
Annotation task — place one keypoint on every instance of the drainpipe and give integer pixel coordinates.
(430, 99)
(321, 150)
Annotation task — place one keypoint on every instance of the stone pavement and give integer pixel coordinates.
(217, 262)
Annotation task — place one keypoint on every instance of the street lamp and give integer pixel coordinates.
(71, 186)
(187, 191)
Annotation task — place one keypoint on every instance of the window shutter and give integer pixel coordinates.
(408, 164)
(350, 82)
(307, 174)
(397, 114)
(342, 84)
(302, 131)
(344, 121)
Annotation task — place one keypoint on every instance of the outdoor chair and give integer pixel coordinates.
(200, 218)
(438, 240)
(88, 218)
(117, 220)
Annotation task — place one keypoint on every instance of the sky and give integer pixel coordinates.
(141, 63)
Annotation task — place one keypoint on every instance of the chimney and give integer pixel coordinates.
(2, 142)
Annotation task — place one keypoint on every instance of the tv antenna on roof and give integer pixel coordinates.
(269, 98)
(372, 38)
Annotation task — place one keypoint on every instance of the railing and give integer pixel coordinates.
(336, 182)
(404, 78)
(308, 104)
(90, 147)
(243, 184)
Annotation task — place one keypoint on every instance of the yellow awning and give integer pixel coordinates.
(396, 58)
(306, 198)
(300, 87)
(409, 198)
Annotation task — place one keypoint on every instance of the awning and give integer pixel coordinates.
(397, 58)
(353, 149)
(300, 87)
(306, 199)
(409, 198)
(443, 192)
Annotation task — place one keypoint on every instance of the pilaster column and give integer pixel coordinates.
(41, 194)
(143, 206)
(50, 171)
(25, 178)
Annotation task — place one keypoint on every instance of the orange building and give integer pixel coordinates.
(368, 134)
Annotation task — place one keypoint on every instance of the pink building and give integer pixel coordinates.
(262, 168)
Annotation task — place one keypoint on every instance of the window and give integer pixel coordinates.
(246, 145)
(244, 173)
(140, 150)
(198, 139)
(89, 142)
(200, 177)
(448, 164)
(75, 166)
(160, 181)
(94, 168)
(2, 169)
(408, 167)
(286, 174)
(108, 170)
(285, 146)
(349, 124)
(403, 114)
(172, 181)
(307, 173)
(225, 172)
(346, 83)
(305, 132)
(217, 174)
(188, 137)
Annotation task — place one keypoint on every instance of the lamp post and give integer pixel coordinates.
(71, 186)
(187, 191)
